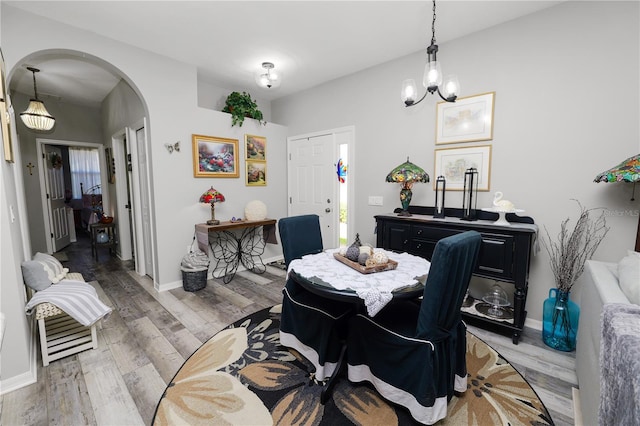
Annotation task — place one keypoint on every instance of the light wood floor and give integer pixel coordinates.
(149, 335)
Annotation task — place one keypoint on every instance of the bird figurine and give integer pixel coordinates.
(501, 204)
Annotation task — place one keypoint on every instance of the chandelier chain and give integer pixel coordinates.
(35, 87)
(433, 24)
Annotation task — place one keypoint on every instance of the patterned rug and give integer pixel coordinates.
(242, 376)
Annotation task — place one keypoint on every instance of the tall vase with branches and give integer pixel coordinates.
(568, 255)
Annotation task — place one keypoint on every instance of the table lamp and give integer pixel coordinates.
(407, 173)
(212, 196)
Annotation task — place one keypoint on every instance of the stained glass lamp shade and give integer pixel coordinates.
(627, 171)
(212, 196)
(407, 174)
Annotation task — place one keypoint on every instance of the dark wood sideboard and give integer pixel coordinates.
(505, 252)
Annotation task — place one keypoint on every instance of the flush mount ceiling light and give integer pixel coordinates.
(268, 77)
(36, 117)
(448, 88)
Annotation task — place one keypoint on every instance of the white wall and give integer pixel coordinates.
(559, 120)
(169, 91)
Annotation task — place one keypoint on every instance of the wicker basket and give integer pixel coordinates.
(194, 280)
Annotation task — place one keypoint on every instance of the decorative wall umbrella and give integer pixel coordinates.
(627, 171)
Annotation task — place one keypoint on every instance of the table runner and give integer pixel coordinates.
(375, 288)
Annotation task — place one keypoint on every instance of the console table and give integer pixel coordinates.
(109, 229)
(235, 243)
(505, 252)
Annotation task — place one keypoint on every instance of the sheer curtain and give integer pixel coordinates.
(85, 168)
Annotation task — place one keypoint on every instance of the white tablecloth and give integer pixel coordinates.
(374, 289)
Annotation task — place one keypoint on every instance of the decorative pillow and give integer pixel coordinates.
(629, 272)
(35, 275)
(54, 268)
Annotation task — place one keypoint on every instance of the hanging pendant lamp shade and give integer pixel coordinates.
(36, 117)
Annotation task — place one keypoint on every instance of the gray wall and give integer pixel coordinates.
(169, 91)
(73, 123)
(559, 120)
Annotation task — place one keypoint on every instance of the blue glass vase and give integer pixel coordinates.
(560, 321)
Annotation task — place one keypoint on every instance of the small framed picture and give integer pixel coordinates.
(452, 163)
(255, 147)
(4, 115)
(467, 119)
(215, 157)
(256, 173)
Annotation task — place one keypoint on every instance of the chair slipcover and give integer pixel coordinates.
(415, 354)
(314, 326)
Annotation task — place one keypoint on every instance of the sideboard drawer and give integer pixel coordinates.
(496, 256)
(423, 248)
(425, 232)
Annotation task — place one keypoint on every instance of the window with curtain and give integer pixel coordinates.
(84, 164)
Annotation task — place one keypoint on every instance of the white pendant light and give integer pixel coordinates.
(36, 117)
(268, 77)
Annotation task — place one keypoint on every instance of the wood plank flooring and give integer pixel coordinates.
(149, 335)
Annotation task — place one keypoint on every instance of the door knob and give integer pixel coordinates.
(327, 210)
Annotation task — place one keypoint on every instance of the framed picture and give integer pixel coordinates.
(256, 173)
(466, 120)
(5, 121)
(111, 165)
(215, 157)
(452, 163)
(255, 147)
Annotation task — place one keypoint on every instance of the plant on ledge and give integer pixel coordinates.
(568, 255)
(240, 105)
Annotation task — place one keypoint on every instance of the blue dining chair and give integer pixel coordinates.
(415, 354)
(312, 325)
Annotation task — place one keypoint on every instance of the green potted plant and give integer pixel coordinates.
(240, 105)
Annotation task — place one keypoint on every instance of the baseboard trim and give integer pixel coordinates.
(178, 284)
(577, 408)
(28, 377)
(534, 324)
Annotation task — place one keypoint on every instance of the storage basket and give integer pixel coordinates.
(194, 280)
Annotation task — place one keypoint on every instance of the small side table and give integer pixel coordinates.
(230, 249)
(107, 228)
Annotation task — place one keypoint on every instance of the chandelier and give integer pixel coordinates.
(36, 117)
(448, 88)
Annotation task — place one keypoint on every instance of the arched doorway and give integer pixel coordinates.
(86, 95)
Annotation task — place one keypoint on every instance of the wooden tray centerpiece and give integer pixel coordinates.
(390, 265)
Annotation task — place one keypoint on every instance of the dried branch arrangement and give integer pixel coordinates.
(574, 247)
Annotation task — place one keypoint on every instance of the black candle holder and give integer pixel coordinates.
(441, 185)
(470, 195)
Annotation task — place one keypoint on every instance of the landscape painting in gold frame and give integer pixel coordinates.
(468, 119)
(256, 173)
(215, 157)
(452, 163)
(255, 147)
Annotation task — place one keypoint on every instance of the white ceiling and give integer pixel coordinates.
(310, 42)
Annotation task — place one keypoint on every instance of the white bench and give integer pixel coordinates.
(61, 335)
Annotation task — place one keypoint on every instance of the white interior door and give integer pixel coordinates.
(312, 183)
(56, 207)
(145, 209)
(123, 199)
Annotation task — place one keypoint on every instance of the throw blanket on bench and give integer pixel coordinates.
(620, 365)
(76, 298)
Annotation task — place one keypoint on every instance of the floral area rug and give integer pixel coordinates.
(242, 376)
